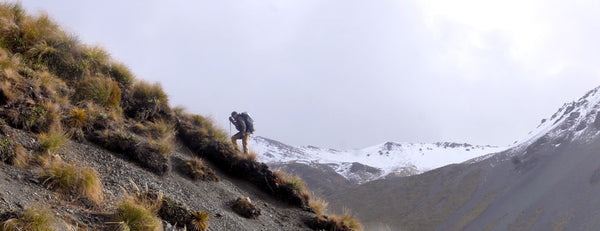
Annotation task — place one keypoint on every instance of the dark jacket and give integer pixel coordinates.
(240, 123)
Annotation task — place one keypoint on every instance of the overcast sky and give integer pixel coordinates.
(354, 73)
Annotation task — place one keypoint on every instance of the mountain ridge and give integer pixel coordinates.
(380, 161)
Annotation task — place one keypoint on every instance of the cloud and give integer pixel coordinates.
(352, 73)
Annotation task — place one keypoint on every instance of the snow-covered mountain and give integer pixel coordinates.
(576, 120)
(545, 181)
(373, 162)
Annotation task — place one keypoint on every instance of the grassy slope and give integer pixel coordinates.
(58, 89)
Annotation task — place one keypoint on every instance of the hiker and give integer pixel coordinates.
(245, 125)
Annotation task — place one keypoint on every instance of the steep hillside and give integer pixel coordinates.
(84, 145)
(22, 188)
(545, 182)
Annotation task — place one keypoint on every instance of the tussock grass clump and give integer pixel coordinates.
(200, 221)
(70, 178)
(52, 86)
(21, 158)
(95, 59)
(7, 153)
(103, 91)
(136, 149)
(121, 73)
(251, 156)
(34, 218)
(160, 133)
(163, 146)
(176, 213)
(53, 140)
(132, 214)
(32, 116)
(333, 222)
(77, 117)
(197, 170)
(318, 205)
(294, 183)
(161, 129)
(146, 101)
(244, 207)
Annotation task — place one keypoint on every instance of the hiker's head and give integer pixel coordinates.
(234, 114)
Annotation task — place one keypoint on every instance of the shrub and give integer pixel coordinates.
(102, 91)
(121, 73)
(197, 170)
(81, 181)
(244, 207)
(37, 218)
(53, 140)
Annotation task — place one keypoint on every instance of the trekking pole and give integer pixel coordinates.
(229, 128)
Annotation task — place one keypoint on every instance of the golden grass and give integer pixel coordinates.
(21, 158)
(251, 156)
(35, 218)
(198, 170)
(70, 178)
(162, 129)
(102, 91)
(149, 92)
(77, 117)
(7, 91)
(132, 215)
(121, 73)
(96, 59)
(138, 211)
(164, 146)
(53, 140)
(319, 205)
(200, 220)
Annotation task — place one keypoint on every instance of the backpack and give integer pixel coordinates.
(249, 122)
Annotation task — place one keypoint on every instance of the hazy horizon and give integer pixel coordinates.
(351, 74)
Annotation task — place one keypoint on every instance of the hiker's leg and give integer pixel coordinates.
(234, 139)
(245, 143)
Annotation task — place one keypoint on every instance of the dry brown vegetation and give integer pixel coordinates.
(35, 218)
(59, 89)
(197, 170)
(73, 180)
